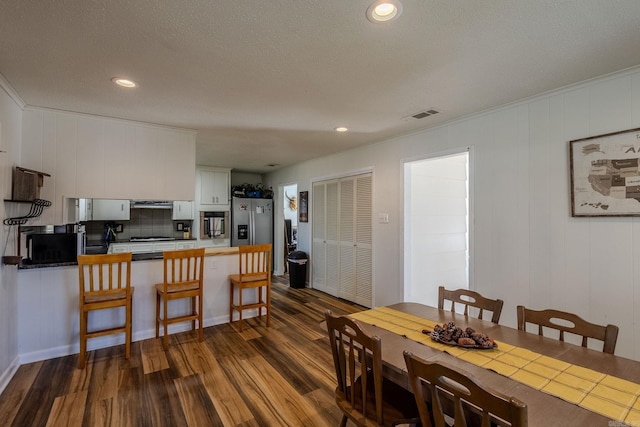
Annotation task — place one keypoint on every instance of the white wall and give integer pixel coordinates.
(98, 157)
(528, 249)
(10, 136)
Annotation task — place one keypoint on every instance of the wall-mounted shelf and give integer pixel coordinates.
(35, 210)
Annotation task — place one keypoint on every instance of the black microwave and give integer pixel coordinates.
(51, 248)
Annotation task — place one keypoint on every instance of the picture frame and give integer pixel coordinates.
(605, 175)
(303, 207)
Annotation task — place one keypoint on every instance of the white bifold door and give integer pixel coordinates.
(342, 238)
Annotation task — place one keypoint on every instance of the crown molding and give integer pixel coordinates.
(4, 84)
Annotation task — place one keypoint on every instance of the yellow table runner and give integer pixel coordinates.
(604, 394)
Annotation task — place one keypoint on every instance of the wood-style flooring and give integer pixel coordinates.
(277, 376)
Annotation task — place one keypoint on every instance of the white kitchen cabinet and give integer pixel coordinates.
(110, 210)
(214, 187)
(150, 247)
(187, 244)
(141, 248)
(163, 246)
(182, 210)
(118, 248)
(85, 209)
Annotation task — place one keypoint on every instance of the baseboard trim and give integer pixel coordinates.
(112, 340)
(8, 374)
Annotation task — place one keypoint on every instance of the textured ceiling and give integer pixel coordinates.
(266, 81)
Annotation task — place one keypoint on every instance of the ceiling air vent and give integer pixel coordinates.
(426, 113)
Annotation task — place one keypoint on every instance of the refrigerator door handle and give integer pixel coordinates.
(252, 232)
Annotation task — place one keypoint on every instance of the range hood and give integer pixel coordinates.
(151, 204)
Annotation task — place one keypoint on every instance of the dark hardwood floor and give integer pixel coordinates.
(277, 376)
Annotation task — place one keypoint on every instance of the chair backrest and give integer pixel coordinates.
(468, 298)
(568, 322)
(254, 262)
(356, 355)
(183, 268)
(444, 381)
(104, 274)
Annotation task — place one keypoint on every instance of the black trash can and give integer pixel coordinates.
(297, 268)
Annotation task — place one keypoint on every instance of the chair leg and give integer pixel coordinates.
(343, 423)
(157, 314)
(165, 324)
(129, 321)
(240, 308)
(82, 357)
(231, 302)
(200, 325)
(193, 311)
(268, 307)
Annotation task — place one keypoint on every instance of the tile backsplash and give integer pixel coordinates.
(143, 222)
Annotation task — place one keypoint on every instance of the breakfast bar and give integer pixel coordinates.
(48, 304)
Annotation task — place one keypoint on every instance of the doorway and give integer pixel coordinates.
(436, 226)
(290, 209)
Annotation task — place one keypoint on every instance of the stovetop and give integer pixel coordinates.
(151, 238)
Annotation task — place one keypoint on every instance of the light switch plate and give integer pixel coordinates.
(383, 218)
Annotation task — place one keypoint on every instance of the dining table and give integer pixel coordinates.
(561, 383)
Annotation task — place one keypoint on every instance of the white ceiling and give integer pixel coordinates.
(266, 81)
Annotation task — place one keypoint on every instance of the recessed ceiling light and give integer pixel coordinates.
(384, 11)
(341, 129)
(124, 82)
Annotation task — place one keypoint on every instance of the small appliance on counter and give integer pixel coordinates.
(57, 244)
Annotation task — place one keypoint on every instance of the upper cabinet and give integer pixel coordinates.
(213, 186)
(110, 210)
(182, 210)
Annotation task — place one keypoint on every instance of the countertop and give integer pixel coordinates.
(135, 257)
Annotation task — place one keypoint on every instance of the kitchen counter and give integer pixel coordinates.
(48, 304)
(136, 257)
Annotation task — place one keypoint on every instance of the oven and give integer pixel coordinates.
(214, 225)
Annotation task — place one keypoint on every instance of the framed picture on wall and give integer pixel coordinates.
(303, 208)
(605, 174)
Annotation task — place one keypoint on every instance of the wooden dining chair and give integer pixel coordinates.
(568, 322)
(105, 283)
(254, 272)
(469, 397)
(363, 395)
(468, 299)
(183, 278)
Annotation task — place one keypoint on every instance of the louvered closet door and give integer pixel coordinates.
(324, 260)
(355, 239)
(342, 236)
(363, 240)
(347, 288)
(318, 258)
(332, 239)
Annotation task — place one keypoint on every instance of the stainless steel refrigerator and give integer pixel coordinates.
(251, 221)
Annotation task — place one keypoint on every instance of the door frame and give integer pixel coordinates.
(471, 209)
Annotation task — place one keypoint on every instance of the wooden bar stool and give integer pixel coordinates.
(105, 282)
(254, 272)
(183, 274)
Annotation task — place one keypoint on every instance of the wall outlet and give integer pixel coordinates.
(119, 228)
